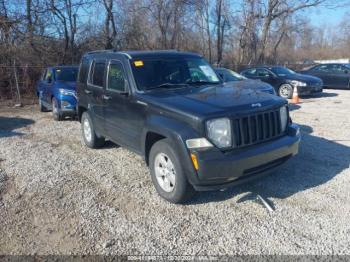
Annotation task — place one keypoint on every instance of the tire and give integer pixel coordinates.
(173, 185)
(56, 112)
(285, 91)
(90, 138)
(42, 108)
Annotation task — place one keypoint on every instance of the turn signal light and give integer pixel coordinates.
(194, 161)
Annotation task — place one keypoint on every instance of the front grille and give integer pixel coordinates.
(257, 128)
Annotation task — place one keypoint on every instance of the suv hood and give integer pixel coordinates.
(249, 83)
(213, 100)
(67, 85)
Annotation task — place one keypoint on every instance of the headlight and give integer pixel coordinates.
(284, 118)
(66, 92)
(219, 132)
(298, 83)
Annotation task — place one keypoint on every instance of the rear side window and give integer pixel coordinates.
(250, 72)
(97, 73)
(322, 68)
(263, 72)
(84, 70)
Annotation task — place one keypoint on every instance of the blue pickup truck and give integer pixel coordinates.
(56, 91)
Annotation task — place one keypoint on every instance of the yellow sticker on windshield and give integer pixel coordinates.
(138, 63)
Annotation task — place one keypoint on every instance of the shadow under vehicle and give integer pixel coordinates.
(8, 125)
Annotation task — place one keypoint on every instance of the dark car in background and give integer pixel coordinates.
(333, 75)
(284, 79)
(56, 91)
(231, 78)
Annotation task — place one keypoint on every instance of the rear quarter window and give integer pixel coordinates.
(97, 72)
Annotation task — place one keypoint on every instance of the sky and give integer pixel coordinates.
(324, 16)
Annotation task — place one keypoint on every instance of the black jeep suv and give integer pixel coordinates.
(193, 132)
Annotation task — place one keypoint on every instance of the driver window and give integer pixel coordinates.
(48, 77)
(116, 79)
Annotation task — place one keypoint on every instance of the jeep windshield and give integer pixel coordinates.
(172, 73)
(67, 74)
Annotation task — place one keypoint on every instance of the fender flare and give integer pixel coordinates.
(178, 132)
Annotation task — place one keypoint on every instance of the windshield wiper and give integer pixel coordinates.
(167, 85)
(202, 82)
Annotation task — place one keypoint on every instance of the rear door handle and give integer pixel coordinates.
(106, 97)
(87, 91)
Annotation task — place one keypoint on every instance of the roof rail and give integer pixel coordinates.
(109, 50)
(101, 51)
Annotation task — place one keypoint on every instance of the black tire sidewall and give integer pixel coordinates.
(41, 106)
(95, 142)
(58, 115)
(183, 190)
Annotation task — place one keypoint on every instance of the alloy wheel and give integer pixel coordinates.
(285, 91)
(87, 130)
(165, 172)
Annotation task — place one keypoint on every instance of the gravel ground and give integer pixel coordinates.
(59, 197)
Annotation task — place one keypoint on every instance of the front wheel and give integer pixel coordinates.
(89, 134)
(285, 91)
(56, 112)
(167, 173)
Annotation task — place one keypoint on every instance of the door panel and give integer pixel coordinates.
(94, 92)
(340, 76)
(124, 117)
(323, 72)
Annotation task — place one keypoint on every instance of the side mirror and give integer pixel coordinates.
(49, 80)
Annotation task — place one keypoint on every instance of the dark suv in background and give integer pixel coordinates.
(284, 79)
(193, 132)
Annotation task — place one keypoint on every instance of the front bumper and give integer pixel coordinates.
(309, 90)
(218, 170)
(67, 104)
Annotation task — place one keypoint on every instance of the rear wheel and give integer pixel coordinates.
(56, 112)
(285, 91)
(42, 108)
(89, 134)
(167, 173)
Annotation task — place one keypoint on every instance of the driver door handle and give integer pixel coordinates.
(106, 97)
(87, 91)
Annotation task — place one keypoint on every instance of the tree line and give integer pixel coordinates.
(37, 33)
